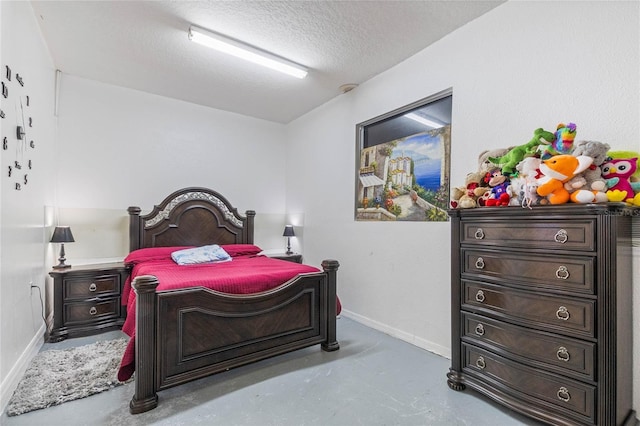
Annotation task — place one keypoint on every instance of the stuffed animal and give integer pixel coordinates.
(485, 165)
(500, 190)
(484, 197)
(529, 170)
(510, 160)
(635, 177)
(518, 191)
(557, 170)
(465, 197)
(618, 173)
(562, 143)
(589, 185)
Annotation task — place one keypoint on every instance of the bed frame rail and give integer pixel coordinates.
(192, 333)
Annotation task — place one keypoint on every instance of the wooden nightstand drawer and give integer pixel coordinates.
(84, 287)
(556, 353)
(86, 300)
(553, 391)
(97, 310)
(566, 315)
(575, 274)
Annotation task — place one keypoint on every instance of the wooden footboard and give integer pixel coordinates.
(183, 335)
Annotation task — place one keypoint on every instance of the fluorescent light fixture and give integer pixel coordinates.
(246, 52)
(422, 120)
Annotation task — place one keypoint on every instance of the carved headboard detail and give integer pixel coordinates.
(190, 217)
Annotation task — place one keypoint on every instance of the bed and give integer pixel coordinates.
(182, 334)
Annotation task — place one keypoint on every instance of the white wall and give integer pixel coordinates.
(122, 147)
(23, 234)
(522, 66)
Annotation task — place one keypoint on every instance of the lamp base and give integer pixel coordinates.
(62, 259)
(288, 246)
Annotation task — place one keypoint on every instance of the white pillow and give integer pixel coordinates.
(204, 254)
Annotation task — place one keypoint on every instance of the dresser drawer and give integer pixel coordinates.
(556, 353)
(91, 286)
(538, 233)
(532, 385)
(92, 310)
(574, 274)
(567, 315)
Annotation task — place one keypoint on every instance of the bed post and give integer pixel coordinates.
(331, 269)
(134, 228)
(250, 214)
(145, 397)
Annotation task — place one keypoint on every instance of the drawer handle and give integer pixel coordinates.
(562, 313)
(479, 234)
(561, 237)
(480, 263)
(480, 363)
(562, 273)
(563, 354)
(93, 310)
(93, 287)
(480, 330)
(563, 394)
(480, 296)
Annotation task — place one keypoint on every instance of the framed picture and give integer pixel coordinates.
(403, 163)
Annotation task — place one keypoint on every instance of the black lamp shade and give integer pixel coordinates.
(288, 231)
(62, 234)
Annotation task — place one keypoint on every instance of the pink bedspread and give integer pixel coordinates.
(242, 275)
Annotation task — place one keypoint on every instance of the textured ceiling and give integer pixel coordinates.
(143, 45)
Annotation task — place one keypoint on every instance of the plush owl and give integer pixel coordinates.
(618, 172)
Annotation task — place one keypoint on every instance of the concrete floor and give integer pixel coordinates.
(373, 379)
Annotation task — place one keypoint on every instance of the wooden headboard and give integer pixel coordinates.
(190, 217)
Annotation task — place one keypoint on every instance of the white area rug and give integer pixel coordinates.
(57, 376)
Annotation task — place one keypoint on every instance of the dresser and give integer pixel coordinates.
(541, 312)
(86, 300)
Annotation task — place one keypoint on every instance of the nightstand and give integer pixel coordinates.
(293, 257)
(86, 300)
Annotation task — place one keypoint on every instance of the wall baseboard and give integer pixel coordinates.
(10, 383)
(404, 336)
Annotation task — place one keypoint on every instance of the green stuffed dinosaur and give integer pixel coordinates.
(510, 160)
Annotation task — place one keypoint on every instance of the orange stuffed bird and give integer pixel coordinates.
(557, 170)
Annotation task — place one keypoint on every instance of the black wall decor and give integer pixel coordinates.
(18, 139)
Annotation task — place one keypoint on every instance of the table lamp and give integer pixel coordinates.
(288, 232)
(62, 234)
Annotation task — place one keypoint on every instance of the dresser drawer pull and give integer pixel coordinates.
(480, 263)
(562, 313)
(563, 394)
(479, 234)
(563, 354)
(93, 287)
(561, 236)
(480, 363)
(93, 310)
(480, 330)
(480, 296)
(562, 273)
